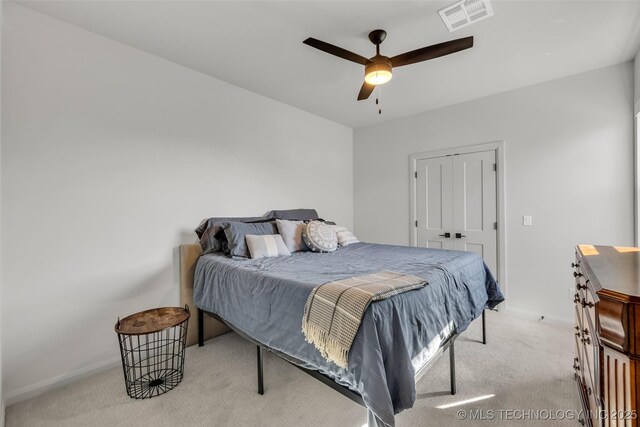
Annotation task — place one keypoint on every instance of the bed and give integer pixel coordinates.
(263, 300)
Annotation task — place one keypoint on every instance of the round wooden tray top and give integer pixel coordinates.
(153, 320)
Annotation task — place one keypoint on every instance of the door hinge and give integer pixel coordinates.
(415, 174)
(495, 167)
(416, 223)
(495, 225)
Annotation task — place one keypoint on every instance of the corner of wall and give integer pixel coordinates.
(636, 165)
(636, 83)
(353, 180)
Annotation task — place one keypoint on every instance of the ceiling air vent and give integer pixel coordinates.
(465, 12)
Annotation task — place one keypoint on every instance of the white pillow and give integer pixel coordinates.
(266, 246)
(291, 232)
(320, 237)
(345, 237)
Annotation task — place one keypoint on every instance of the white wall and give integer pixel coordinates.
(569, 163)
(2, 402)
(111, 157)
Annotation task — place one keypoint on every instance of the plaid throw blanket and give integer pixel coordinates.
(334, 310)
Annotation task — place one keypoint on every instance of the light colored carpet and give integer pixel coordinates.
(526, 365)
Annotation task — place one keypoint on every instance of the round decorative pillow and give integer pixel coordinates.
(320, 237)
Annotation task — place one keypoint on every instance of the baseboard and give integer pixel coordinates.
(532, 315)
(58, 381)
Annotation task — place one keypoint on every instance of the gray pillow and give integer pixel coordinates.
(295, 214)
(236, 232)
(266, 246)
(291, 232)
(320, 237)
(208, 229)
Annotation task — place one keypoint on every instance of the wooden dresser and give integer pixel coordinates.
(607, 334)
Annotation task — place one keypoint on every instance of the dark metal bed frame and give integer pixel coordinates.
(448, 344)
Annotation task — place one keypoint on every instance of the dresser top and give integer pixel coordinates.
(616, 268)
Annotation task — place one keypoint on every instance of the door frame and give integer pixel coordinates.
(498, 147)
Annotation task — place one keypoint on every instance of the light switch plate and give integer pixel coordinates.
(527, 220)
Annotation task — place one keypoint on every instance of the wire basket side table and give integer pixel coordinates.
(152, 347)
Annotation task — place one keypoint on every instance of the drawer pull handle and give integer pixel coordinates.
(579, 286)
(589, 391)
(585, 331)
(576, 274)
(586, 341)
(578, 334)
(586, 304)
(575, 265)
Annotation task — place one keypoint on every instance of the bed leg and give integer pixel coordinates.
(484, 328)
(452, 367)
(260, 371)
(200, 328)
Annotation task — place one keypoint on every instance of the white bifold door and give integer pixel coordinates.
(456, 204)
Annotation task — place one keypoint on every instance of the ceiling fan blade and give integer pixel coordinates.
(431, 52)
(365, 91)
(337, 51)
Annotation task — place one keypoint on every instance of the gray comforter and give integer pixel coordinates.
(265, 300)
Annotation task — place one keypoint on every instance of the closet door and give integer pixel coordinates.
(475, 205)
(434, 203)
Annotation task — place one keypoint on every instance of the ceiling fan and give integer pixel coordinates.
(377, 70)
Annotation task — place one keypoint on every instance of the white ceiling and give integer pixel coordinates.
(257, 45)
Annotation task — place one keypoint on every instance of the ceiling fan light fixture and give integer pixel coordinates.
(377, 73)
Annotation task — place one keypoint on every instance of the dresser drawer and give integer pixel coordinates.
(585, 414)
(578, 311)
(578, 351)
(589, 365)
(579, 278)
(587, 309)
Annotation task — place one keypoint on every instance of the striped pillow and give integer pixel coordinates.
(345, 237)
(266, 246)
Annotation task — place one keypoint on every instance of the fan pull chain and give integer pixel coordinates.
(378, 97)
